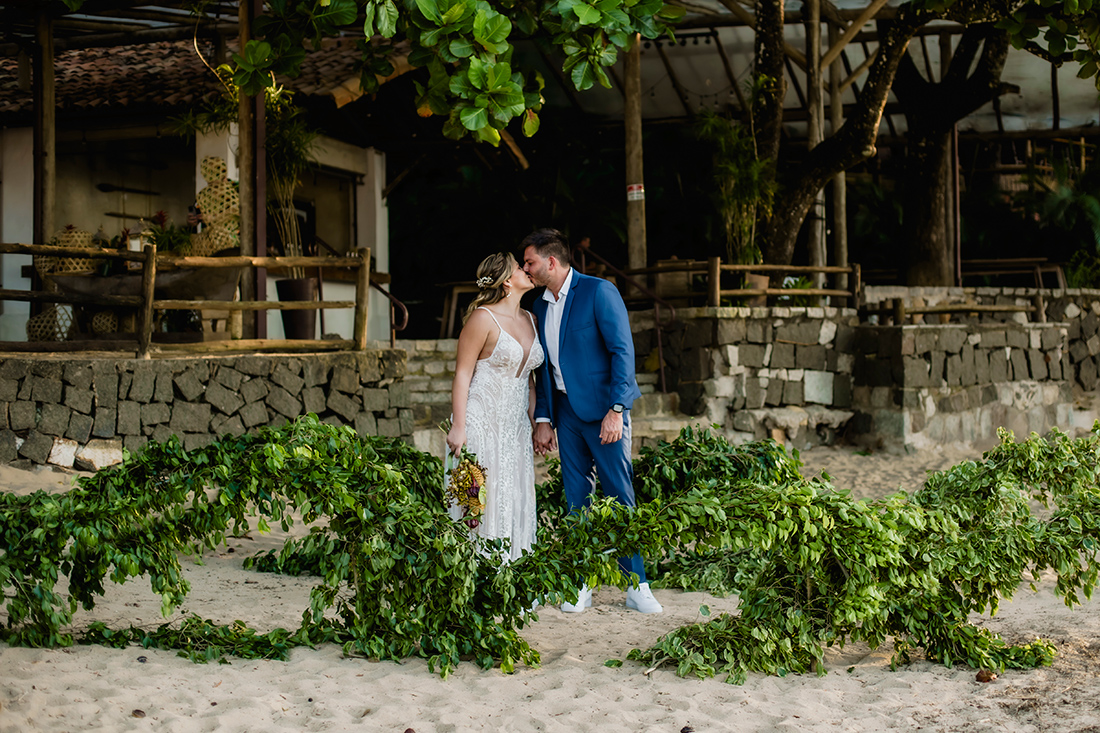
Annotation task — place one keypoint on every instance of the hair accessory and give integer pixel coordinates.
(484, 282)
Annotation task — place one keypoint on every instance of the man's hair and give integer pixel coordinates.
(548, 243)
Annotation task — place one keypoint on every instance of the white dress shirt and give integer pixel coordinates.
(554, 309)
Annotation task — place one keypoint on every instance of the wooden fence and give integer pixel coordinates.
(145, 304)
(713, 269)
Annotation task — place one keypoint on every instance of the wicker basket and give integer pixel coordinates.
(70, 239)
(54, 323)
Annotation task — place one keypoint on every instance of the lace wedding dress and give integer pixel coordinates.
(498, 432)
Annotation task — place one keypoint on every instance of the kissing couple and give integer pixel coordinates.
(559, 377)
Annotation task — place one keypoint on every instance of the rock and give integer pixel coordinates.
(98, 454)
(63, 452)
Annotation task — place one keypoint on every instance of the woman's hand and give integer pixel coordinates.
(456, 439)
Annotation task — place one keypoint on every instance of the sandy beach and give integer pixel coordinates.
(91, 688)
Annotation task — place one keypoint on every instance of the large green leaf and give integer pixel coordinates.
(587, 14)
(338, 13)
(429, 9)
(474, 118)
(462, 48)
(387, 19)
(477, 72)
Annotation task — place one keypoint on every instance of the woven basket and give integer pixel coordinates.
(71, 239)
(104, 322)
(55, 323)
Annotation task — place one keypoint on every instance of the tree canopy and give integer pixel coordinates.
(466, 45)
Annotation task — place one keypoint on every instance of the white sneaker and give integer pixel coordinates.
(642, 600)
(584, 600)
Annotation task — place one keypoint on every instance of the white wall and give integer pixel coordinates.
(16, 224)
(371, 230)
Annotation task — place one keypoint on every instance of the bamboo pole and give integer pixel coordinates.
(167, 262)
(148, 284)
(362, 300)
(840, 181)
(247, 345)
(56, 251)
(253, 305)
(36, 296)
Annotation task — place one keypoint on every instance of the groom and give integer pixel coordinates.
(585, 388)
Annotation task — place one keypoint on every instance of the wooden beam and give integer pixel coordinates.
(1056, 103)
(45, 130)
(927, 59)
(555, 69)
(672, 77)
(840, 180)
(152, 35)
(750, 20)
(636, 252)
(362, 300)
(729, 72)
(146, 315)
(858, 71)
(797, 87)
(867, 14)
(815, 107)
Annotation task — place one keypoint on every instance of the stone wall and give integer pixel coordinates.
(1077, 309)
(779, 372)
(83, 411)
(927, 385)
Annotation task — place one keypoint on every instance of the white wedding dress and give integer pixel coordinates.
(498, 432)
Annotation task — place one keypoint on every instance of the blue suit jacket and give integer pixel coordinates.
(596, 351)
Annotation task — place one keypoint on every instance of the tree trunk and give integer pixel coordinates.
(853, 142)
(931, 111)
(929, 255)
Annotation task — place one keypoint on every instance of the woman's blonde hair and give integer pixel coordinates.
(492, 273)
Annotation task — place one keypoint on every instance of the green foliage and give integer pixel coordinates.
(1061, 31)
(745, 184)
(397, 578)
(465, 45)
(831, 570)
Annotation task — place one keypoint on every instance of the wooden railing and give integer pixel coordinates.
(900, 313)
(713, 269)
(146, 303)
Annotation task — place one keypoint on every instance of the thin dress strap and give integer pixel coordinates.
(483, 308)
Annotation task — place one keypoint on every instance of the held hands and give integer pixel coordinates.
(611, 429)
(544, 439)
(456, 439)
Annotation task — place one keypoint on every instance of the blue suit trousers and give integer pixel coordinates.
(581, 451)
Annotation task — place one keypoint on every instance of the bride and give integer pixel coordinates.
(492, 399)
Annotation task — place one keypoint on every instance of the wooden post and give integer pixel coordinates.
(899, 312)
(145, 318)
(840, 180)
(714, 282)
(857, 286)
(816, 134)
(362, 299)
(1040, 308)
(635, 180)
(45, 132)
(246, 171)
(259, 165)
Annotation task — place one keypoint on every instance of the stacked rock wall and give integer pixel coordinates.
(84, 411)
(927, 385)
(1077, 309)
(757, 372)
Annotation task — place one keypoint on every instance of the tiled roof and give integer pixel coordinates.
(167, 75)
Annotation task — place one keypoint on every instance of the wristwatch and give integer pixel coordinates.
(617, 407)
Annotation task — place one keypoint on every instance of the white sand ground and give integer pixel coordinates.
(98, 689)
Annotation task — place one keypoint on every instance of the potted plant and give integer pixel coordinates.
(288, 147)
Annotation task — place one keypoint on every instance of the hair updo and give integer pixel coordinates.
(492, 273)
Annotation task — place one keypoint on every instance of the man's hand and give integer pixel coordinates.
(611, 429)
(544, 438)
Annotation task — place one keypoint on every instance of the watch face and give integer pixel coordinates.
(617, 408)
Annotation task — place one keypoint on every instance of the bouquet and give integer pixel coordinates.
(465, 483)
